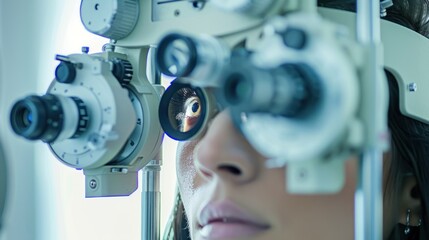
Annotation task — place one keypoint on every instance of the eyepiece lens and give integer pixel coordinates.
(236, 89)
(27, 117)
(176, 55)
(182, 111)
(34, 117)
(43, 117)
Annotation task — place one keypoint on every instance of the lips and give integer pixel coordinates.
(225, 220)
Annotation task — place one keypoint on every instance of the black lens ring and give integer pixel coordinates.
(234, 75)
(232, 85)
(164, 117)
(47, 117)
(310, 81)
(31, 104)
(161, 51)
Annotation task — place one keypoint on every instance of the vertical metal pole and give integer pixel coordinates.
(151, 199)
(368, 196)
(151, 194)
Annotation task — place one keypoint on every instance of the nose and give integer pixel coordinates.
(224, 153)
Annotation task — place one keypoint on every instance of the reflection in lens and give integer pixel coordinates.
(185, 108)
(183, 111)
(192, 113)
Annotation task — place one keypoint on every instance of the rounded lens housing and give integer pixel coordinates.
(45, 117)
(176, 55)
(184, 111)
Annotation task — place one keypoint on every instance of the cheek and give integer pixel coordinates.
(351, 171)
(186, 172)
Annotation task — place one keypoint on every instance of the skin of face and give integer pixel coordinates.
(221, 166)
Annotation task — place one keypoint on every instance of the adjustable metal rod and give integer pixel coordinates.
(369, 201)
(368, 196)
(151, 198)
(151, 194)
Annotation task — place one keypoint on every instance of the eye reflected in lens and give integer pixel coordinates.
(182, 111)
(190, 114)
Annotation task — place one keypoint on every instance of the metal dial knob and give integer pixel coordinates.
(114, 19)
(65, 72)
(122, 70)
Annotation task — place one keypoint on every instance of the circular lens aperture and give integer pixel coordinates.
(237, 89)
(176, 55)
(182, 111)
(37, 117)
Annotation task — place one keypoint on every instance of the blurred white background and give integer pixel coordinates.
(46, 198)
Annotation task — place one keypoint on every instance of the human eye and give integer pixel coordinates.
(192, 112)
(185, 110)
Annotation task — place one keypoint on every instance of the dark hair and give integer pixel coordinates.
(409, 153)
(177, 227)
(412, 14)
(409, 137)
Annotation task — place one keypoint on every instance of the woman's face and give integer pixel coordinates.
(229, 194)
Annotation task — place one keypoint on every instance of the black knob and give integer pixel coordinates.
(65, 72)
(295, 38)
(122, 70)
